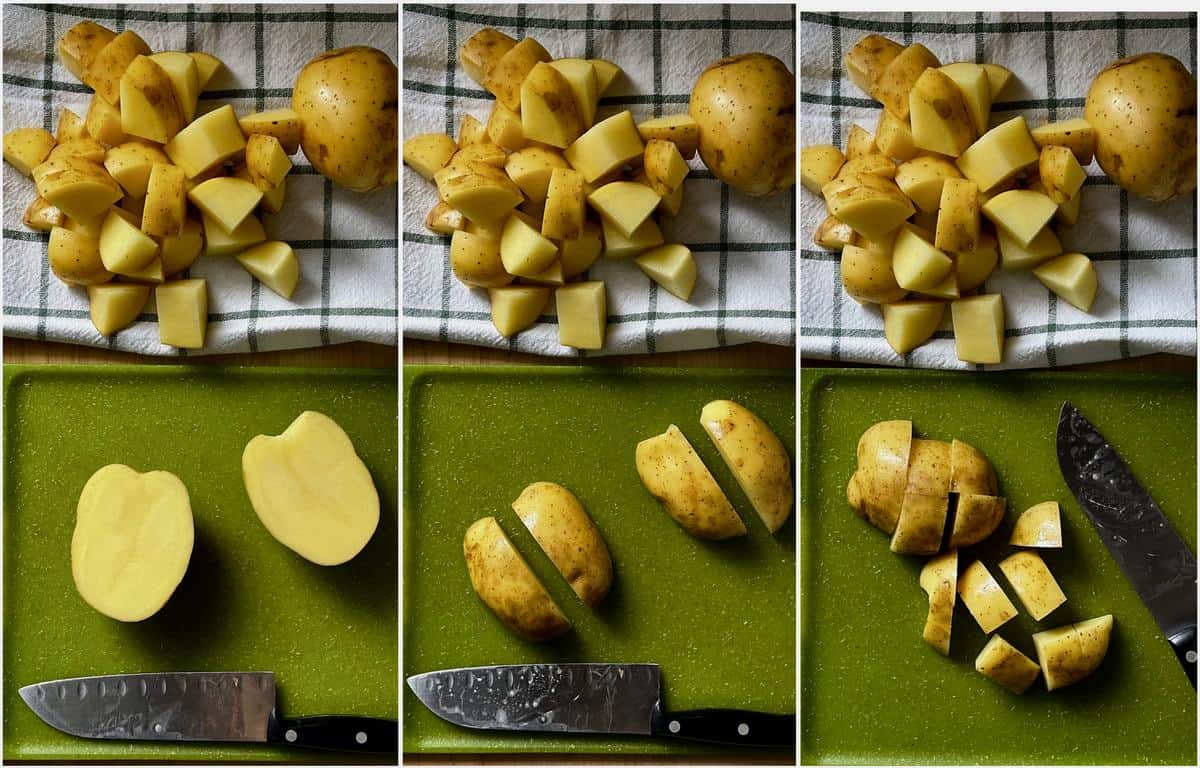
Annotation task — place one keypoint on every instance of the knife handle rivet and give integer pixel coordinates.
(360, 737)
(1191, 657)
(743, 729)
(291, 735)
(158, 727)
(673, 726)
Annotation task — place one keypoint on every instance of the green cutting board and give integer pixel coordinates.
(247, 602)
(873, 692)
(719, 617)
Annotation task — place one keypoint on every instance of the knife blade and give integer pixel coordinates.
(586, 698)
(196, 706)
(1151, 553)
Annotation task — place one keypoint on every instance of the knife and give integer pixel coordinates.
(587, 698)
(1138, 535)
(196, 706)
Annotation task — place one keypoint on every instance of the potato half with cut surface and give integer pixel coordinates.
(1038, 526)
(756, 457)
(1004, 664)
(569, 537)
(881, 474)
(1069, 653)
(976, 517)
(984, 598)
(939, 579)
(920, 525)
(675, 475)
(1034, 584)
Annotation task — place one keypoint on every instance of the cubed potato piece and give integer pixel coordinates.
(103, 122)
(1020, 213)
(894, 138)
(151, 274)
(998, 79)
(867, 60)
(976, 517)
(605, 147)
(41, 216)
(77, 187)
(185, 78)
(207, 68)
(149, 107)
(443, 219)
(871, 165)
(488, 154)
(1034, 584)
(947, 290)
(869, 212)
(284, 125)
(618, 246)
(266, 161)
(938, 115)
(166, 201)
(104, 74)
(1038, 526)
(917, 264)
(671, 266)
(26, 147)
(78, 48)
(606, 73)
(530, 169)
(479, 54)
(182, 313)
(124, 248)
(984, 598)
(578, 254)
(516, 307)
(208, 141)
(549, 113)
(1045, 245)
(860, 142)
(523, 250)
(581, 76)
(219, 242)
(504, 128)
(1075, 134)
(922, 179)
(958, 216)
(919, 528)
(272, 199)
(1061, 175)
(70, 127)
(1004, 664)
(909, 324)
(426, 153)
(484, 194)
(900, 75)
(88, 149)
(551, 276)
(999, 155)
(114, 307)
(582, 314)
(819, 165)
(75, 258)
(625, 204)
(130, 163)
(1072, 277)
(665, 168)
(867, 276)
(475, 260)
(972, 268)
(972, 81)
(979, 328)
(565, 210)
(275, 264)
(178, 252)
(681, 130)
(510, 70)
(833, 235)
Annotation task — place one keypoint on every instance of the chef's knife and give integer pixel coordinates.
(1138, 535)
(586, 698)
(196, 706)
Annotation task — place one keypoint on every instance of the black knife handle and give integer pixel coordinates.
(344, 733)
(732, 726)
(1184, 643)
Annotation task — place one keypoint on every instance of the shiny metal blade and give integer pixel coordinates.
(1152, 554)
(179, 706)
(565, 698)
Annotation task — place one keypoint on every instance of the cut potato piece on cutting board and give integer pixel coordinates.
(984, 598)
(756, 457)
(975, 518)
(515, 308)
(867, 276)
(919, 529)
(929, 468)
(1075, 134)
(569, 537)
(182, 313)
(1021, 213)
(979, 328)
(311, 490)
(132, 541)
(113, 307)
(1013, 255)
(881, 474)
(1034, 584)
(999, 155)
(582, 314)
(917, 265)
(675, 475)
(939, 579)
(672, 267)
(970, 470)
(909, 324)
(1072, 277)
(1038, 526)
(973, 84)
(1069, 653)
(1002, 663)
(275, 264)
(938, 115)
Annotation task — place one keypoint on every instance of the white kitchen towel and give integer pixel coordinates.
(1145, 253)
(744, 247)
(347, 243)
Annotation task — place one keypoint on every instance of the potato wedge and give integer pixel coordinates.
(976, 517)
(25, 148)
(860, 143)
(756, 457)
(894, 138)
(509, 71)
(569, 537)
(166, 201)
(999, 155)
(676, 476)
(130, 164)
(565, 209)
(605, 147)
(78, 48)
(671, 266)
(922, 179)
(1072, 277)
(206, 142)
(917, 265)
(113, 307)
(938, 115)
(958, 216)
(482, 50)
(284, 125)
(939, 579)
(973, 268)
(883, 454)
(984, 598)
(582, 314)
(1004, 664)
(972, 81)
(1038, 526)
(1060, 173)
(549, 113)
(870, 212)
(867, 276)
(920, 525)
(266, 161)
(681, 130)
(274, 264)
(1034, 584)
(900, 75)
(182, 313)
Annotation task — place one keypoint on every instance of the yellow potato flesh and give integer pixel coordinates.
(681, 130)
(166, 202)
(972, 268)
(523, 250)
(618, 246)
(569, 537)
(274, 263)
(909, 324)
(1013, 255)
(284, 125)
(625, 204)
(564, 213)
(266, 161)
(999, 155)
(218, 242)
(979, 328)
(75, 257)
(577, 254)
(1072, 277)
(938, 114)
(1075, 134)
(819, 165)
(182, 313)
(207, 67)
(894, 137)
(1038, 526)
(917, 264)
(939, 579)
(515, 308)
(549, 113)
(209, 140)
(671, 266)
(26, 147)
(756, 457)
(1034, 584)
(581, 75)
(113, 307)
(582, 314)
(605, 147)
(149, 108)
(970, 470)
(871, 213)
(867, 276)
(123, 247)
(185, 79)
(178, 252)
(676, 476)
(922, 179)
(226, 200)
(1004, 664)
(972, 81)
(481, 52)
(984, 598)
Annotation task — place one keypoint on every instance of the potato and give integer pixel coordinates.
(1070, 653)
(1020, 213)
(947, 290)
(41, 216)
(665, 168)
(106, 70)
(503, 580)
(185, 79)
(482, 50)
(1075, 134)
(78, 48)
(475, 260)
(900, 75)
(178, 252)
(873, 165)
(860, 143)
(606, 73)
(938, 114)
(867, 276)
(183, 313)
(970, 470)
(504, 128)
(624, 204)
(516, 307)
(523, 250)
(681, 130)
(1038, 526)
(1060, 174)
(870, 212)
(582, 314)
(103, 122)
(152, 273)
(972, 268)
(565, 211)
(1033, 583)
(894, 138)
(70, 127)
(114, 307)
(569, 537)
(675, 475)
(979, 328)
(88, 149)
(671, 266)
(130, 163)
(1013, 255)
(1072, 277)
(866, 61)
(833, 234)
(577, 254)
(284, 125)
(75, 258)
(207, 67)
(483, 194)
(977, 517)
(124, 248)
(605, 147)
(984, 598)
(132, 541)
(25, 148)
(916, 264)
(275, 265)
(348, 103)
(868, 180)
(166, 202)
(958, 216)
(443, 219)
(819, 165)
(488, 154)
(909, 324)
(939, 579)
(218, 242)
(77, 187)
(919, 527)
(310, 489)
(746, 109)
(266, 161)
(509, 71)
(549, 114)
(551, 276)
(618, 246)
(1004, 664)
(1143, 111)
(929, 468)
(756, 457)
(999, 155)
(973, 84)
(530, 169)
(581, 76)
(881, 476)
(923, 178)
(998, 79)
(208, 141)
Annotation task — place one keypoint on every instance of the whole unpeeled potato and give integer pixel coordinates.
(1143, 111)
(746, 108)
(348, 102)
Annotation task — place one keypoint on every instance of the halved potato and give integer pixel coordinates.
(1004, 664)
(569, 537)
(676, 476)
(756, 457)
(984, 598)
(1034, 584)
(881, 476)
(1038, 526)
(1069, 653)
(939, 579)
(976, 517)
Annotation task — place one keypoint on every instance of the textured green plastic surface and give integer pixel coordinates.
(719, 617)
(247, 602)
(873, 692)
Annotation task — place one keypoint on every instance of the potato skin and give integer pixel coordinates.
(756, 456)
(348, 102)
(569, 537)
(746, 108)
(677, 477)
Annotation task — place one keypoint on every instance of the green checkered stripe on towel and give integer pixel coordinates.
(1144, 253)
(744, 249)
(347, 243)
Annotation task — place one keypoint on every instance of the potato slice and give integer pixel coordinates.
(1013, 255)
(475, 260)
(671, 266)
(681, 130)
(605, 147)
(517, 307)
(999, 155)
(919, 528)
(1060, 173)
(882, 454)
(577, 254)
(917, 265)
(819, 165)
(938, 114)
(182, 312)
(582, 314)
(970, 470)
(482, 50)
(75, 258)
(1004, 664)
(107, 69)
(1069, 653)
(1072, 277)
(132, 541)
(984, 598)
(900, 76)
(78, 48)
(676, 476)
(1075, 134)
(756, 457)
(1038, 526)
(665, 167)
(581, 76)
(565, 210)
(208, 141)
(909, 324)
(166, 201)
(867, 276)
(867, 60)
(972, 268)
(218, 242)
(124, 248)
(1034, 584)
(569, 537)
(618, 246)
(274, 263)
(979, 328)
(178, 252)
(506, 77)
(976, 517)
(939, 579)
(958, 216)
(549, 113)
(894, 137)
(149, 107)
(972, 81)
